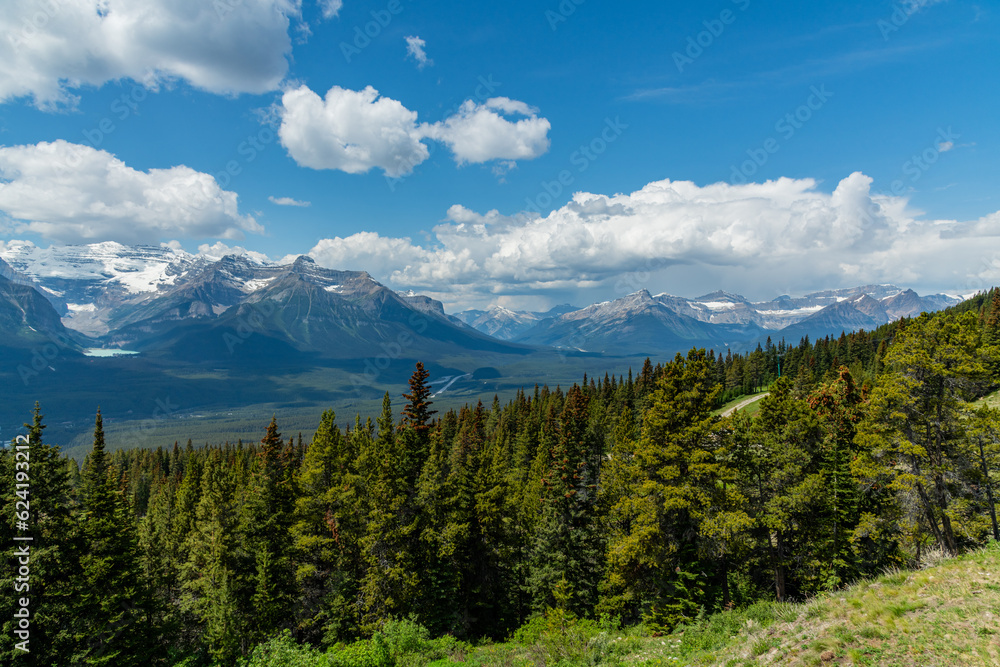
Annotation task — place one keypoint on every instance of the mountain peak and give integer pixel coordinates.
(720, 296)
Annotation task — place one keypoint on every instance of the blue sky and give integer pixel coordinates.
(522, 153)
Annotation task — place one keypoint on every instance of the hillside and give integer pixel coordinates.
(944, 614)
(941, 615)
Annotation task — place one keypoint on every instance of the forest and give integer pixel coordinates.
(624, 500)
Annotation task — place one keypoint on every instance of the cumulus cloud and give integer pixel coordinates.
(218, 250)
(763, 239)
(331, 8)
(288, 201)
(415, 49)
(356, 131)
(70, 193)
(483, 132)
(48, 48)
(368, 251)
(353, 131)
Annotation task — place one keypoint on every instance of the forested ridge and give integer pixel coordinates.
(624, 499)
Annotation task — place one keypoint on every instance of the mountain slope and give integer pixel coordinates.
(643, 323)
(506, 324)
(947, 614)
(306, 309)
(150, 298)
(637, 323)
(28, 320)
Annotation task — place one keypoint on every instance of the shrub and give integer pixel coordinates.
(372, 652)
(410, 644)
(283, 651)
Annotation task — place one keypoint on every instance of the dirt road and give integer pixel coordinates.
(743, 404)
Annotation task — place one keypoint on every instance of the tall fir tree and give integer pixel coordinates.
(111, 597)
(210, 575)
(567, 544)
(266, 522)
(656, 567)
(391, 585)
(329, 525)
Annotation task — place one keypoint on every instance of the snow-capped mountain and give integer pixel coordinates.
(507, 324)
(146, 296)
(87, 283)
(638, 323)
(642, 321)
(28, 321)
(186, 306)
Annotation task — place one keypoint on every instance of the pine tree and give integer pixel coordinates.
(984, 441)
(209, 575)
(111, 600)
(266, 523)
(935, 366)
(329, 525)
(676, 481)
(567, 544)
(778, 456)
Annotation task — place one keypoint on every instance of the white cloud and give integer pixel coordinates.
(218, 250)
(48, 48)
(481, 132)
(946, 146)
(367, 251)
(331, 8)
(288, 201)
(356, 131)
(70, 193)
(415, 49)
(763, 239)
(353, 131)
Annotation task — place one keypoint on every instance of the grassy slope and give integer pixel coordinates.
(948, 614)
(993, 400)
(945, 615)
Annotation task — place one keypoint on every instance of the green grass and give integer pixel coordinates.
(751, 409)
(943, 615)
(993, 400)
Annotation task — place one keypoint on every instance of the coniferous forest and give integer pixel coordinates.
(621, 499)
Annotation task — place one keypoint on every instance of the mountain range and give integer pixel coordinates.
(644, 323)
(172, 304)
(168, 303)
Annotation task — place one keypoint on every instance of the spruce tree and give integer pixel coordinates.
(47, 495)
(567, 544)
(676, 483)
(840, 409)
(266, 522)
(391, 585)
(329, 525)
(210, 574)
(111, 599)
